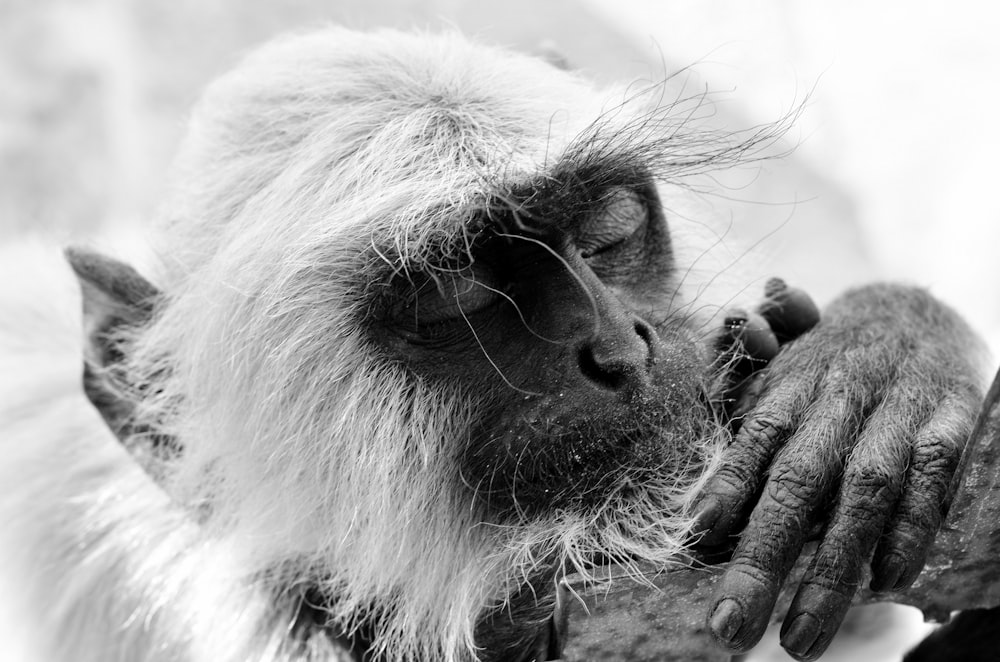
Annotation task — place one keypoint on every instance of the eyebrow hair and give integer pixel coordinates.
(555, 200)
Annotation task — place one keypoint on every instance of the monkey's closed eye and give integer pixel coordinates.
(620, 218)
(431, 301)
(612, 239)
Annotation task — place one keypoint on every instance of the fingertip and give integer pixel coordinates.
(707, 515)
(725, 621)
(774, 286)
(712, 530)
(800, 636)
(897, 564)
(732, 326)
(910, 574)
(789, 310)
(733, 627)
(747, 340)
(813, 619)
(717, 515)
(743, 604)
(887, 573)
(759, 341)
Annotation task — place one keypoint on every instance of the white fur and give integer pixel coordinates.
(321, 162)
(97, 563)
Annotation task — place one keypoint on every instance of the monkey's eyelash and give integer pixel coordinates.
(443, 297)
(622, 216)
(604, 248)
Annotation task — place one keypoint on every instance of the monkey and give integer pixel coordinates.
(416, 342)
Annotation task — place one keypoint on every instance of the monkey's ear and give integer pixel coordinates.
(115, 296)
(548, 51)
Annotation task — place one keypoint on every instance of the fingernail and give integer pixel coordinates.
(887, 576)
(707, 515)
(726, 620)
(801, 635)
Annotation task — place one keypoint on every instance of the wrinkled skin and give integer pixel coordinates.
(858, 424)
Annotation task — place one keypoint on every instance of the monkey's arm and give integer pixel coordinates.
(861, 423)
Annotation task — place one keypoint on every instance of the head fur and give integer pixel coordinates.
(324, 165)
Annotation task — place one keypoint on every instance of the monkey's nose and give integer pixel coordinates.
(620, 358)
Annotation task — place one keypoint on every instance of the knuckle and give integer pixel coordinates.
(767, 546)
(928, 490)
(731, 480)
(938, 449)
(833, 582)
(861, 519)
(763, 428)
(870, 488)
(827, 571)
(750, 574)
(868, 478)
(839, 560)
(912, 531)
(921, 517)
(790, 486)
(933, 466)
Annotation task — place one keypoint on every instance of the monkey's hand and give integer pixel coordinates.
(860, 423)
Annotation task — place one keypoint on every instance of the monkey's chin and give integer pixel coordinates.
(650, 452)
(642, 521)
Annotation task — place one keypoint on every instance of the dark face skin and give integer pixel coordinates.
(563, 327)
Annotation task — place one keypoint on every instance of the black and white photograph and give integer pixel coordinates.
(523, 331)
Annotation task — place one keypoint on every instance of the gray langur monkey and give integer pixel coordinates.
(416, 343)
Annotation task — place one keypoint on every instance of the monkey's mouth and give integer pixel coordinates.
(542, 467)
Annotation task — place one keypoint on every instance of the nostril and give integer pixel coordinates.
(647, 334)
(610, 377)
(622, 357)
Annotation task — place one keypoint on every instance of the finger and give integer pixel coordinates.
(763, 558)
(729, 491)
(747, 336)
(789, 311)
(869, 491)
(938, 446)
(745, 348)
(758, 340)
(799, 483)
(746, 399)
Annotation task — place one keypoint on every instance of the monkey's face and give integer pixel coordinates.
(565, 326)
(420, 334)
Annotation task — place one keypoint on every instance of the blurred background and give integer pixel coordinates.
(891, 173)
